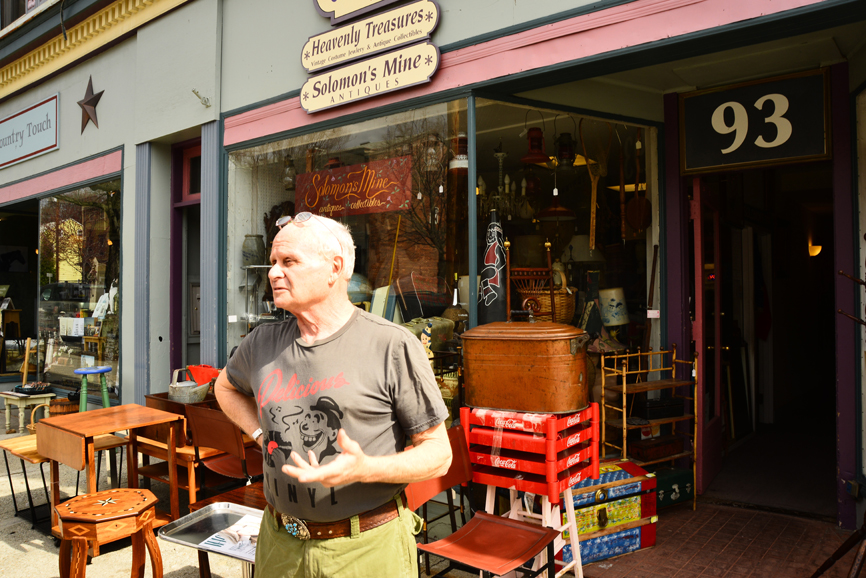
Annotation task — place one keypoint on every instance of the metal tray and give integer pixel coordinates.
(192, 529)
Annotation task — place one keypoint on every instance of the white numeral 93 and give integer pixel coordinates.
(740, 126)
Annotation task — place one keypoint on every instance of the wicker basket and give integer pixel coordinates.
(563, 299)
(31, 427)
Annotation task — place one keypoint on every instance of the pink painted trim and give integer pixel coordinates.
(94, 168)
(633, 24)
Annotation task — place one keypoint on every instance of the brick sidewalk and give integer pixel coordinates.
(720, 540)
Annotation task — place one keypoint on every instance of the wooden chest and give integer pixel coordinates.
(528, 367)
(615, 514)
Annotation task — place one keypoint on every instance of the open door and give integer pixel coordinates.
(706, 331)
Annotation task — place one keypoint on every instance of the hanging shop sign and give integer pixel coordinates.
(374, 187)
(30, 132)
(386, 31)
(767, 122)
(340, 10)
(381, 74)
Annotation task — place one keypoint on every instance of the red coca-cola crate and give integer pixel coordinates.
(539, 453)
(532, 463)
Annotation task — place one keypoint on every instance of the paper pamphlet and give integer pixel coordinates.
(77, 327)
(237, 541)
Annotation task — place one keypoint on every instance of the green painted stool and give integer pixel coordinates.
(101, 370)
(84, 372)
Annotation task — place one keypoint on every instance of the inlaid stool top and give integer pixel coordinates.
(107, 505)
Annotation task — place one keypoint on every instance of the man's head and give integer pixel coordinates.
(312, 260)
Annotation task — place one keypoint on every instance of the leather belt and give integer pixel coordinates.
(307, 530)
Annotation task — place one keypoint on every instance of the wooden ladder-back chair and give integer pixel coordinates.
(211, 428)
(490, 544)
(532, 283)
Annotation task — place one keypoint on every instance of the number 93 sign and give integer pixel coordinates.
(767, 122)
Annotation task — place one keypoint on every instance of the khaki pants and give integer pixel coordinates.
(385, 552)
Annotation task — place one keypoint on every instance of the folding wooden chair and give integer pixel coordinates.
(490, 544)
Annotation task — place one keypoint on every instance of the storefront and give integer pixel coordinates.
(100, 180)
(569, 125)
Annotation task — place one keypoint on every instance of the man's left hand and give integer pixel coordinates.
(346, 468)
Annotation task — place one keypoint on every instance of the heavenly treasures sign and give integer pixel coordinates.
(374, 187)
(403, 30)
(404, 25)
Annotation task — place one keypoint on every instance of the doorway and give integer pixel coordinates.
(774, 344)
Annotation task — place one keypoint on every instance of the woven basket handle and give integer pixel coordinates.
(33, 411)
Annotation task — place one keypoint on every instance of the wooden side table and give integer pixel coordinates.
(104, 517)
(22, 402)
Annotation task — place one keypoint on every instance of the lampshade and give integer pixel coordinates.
(578, 251)
(555, 213)
(613, 309)
(536, 154)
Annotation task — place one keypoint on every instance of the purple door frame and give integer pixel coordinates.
(847, 361)
(176, 270)
(677, 288)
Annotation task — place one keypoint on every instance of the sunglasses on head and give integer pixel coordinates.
(306, 216)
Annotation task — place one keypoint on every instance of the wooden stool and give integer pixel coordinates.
(104, 517)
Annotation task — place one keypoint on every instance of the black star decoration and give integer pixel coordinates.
(88, 105)
(429, 16)
(429, 60)
(306, 96)
(307, 54)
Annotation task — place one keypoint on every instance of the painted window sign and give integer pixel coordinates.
(374, 187)
(404, 25)
(767, 122)
(395, 70)
(30, 132)
(340, 10)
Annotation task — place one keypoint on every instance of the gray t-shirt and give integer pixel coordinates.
(371, 378)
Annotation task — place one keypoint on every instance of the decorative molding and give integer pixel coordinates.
(97, 31)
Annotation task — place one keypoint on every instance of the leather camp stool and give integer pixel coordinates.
(105, 517)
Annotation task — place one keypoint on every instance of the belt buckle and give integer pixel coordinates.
(295, 526)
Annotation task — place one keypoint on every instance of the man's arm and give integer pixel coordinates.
(429, 458)
(239, 408)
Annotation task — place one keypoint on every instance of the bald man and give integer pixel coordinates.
(332, 396)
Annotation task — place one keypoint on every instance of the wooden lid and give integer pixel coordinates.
(107, 505)
(523, 331)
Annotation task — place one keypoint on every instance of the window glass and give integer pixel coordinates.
(399, 182)
(584, 185)
(79, 283)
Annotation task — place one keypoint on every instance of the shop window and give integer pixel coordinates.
(409, 223)
(79, 283)
(191, 187)
(584, 185)
(11, 10)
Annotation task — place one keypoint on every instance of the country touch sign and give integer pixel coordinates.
(30, 132)
(386, 31)
(378, 75)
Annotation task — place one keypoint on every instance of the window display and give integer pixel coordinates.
(583, 185)
(400, 183)
(79, 282)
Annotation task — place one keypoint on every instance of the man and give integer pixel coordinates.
(335, 391)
